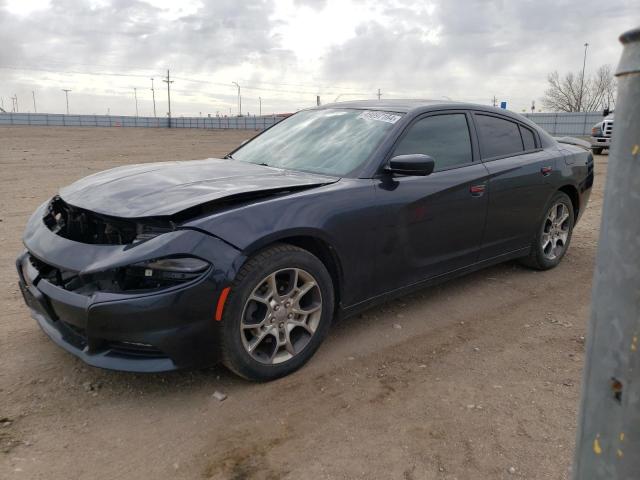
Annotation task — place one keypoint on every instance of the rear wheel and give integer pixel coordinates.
(277, 314)
(554, 234)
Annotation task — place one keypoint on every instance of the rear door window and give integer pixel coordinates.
(498, 137)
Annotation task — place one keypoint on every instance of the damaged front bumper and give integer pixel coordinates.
(147, 330)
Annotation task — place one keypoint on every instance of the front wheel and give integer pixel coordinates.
(277, 314)
(554, 234)
(597, 150)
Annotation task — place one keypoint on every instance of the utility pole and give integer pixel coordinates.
(608, 438)
(533, 106)
(584, 63)
(260, 103)
(66, 94)
(15, 100)
(239, 99)
(494, 101)
(379, 94)
(168, 81)
(33, 94)
(135, 95)
(153, 94)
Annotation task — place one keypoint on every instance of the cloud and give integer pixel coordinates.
(315, 4)
(468, 49)
(135, 34)
(287, 51)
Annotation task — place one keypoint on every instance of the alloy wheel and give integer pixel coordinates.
(281, 316)
(555, 233)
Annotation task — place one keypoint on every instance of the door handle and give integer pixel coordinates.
(478, 190)
(546, 171)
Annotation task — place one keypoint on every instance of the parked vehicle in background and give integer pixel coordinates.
(248, 259)
(601, 133)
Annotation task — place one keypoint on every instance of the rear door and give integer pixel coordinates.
(519, 187)
(431, 225)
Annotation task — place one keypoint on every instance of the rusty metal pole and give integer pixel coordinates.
(608, 440)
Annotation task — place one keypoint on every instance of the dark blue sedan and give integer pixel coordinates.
(248, 259)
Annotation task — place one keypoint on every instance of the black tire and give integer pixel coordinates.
(597, 150)
(539, 258)
(235, 355)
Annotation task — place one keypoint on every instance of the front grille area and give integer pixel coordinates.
(134, 349)
(75, 335)
(84, 226)
(66, 279)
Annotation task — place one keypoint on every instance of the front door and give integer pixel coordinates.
(431, 225)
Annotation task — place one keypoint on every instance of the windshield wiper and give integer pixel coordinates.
(229, 156)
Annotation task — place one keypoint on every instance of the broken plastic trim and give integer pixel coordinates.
(153, 275)
(84, 226)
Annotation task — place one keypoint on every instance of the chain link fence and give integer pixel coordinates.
(562, 123)
(61, 120)
(579, 123)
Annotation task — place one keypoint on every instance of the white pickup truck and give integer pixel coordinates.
(601, 134)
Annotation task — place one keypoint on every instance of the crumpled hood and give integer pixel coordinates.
(166, 188)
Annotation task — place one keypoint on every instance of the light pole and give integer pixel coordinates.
(584, 63)
(608, 437)
(66, 94)
(239, 99)
(33, 94)
(168, 81)
(260, 103)
(135, 95)
(153, 94)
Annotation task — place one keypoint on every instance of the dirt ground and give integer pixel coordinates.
(478, 378)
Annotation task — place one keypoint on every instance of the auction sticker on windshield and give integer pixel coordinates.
(380, 116)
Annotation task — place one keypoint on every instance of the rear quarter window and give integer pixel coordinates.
(527, 138)
(498, 137)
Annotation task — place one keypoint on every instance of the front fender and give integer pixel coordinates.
(343, 215)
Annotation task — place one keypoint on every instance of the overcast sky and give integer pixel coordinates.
(289, 51)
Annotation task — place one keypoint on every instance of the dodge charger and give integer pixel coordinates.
(248, 259)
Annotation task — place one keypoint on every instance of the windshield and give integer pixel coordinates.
(331, 141)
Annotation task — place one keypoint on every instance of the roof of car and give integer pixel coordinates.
(416, 106)
(409, 105)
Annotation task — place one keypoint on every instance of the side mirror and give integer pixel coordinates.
(414, 164)
(605, 112)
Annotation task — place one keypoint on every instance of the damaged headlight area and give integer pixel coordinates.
(84, 226)
(163, 272)
(150, 275)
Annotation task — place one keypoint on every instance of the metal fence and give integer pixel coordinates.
(61, 120)
(555, 123)
(576, 123)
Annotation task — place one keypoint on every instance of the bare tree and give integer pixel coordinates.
(563, 94)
